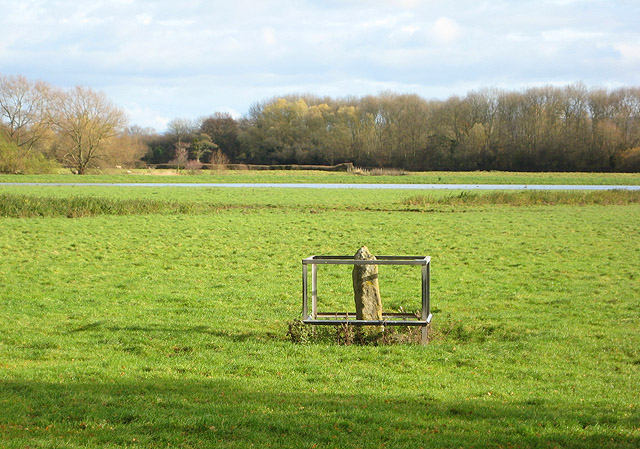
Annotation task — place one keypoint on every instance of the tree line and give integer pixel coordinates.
(569, 128)
(42, 126)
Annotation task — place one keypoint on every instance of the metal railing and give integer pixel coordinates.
(312, 316)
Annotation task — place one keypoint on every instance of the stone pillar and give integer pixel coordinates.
(366, 291)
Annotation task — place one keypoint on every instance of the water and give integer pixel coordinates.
(340, 186)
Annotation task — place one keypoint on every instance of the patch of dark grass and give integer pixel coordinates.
(530, 198)
(163, 330)
(347, 334)
(473, 332)
(230, 413)
(24, 206)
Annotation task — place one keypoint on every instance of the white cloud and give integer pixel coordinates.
(269, 37)
(144, 19)
(446, 30)
(408, 3)
(519, 37)
(165, 59)
(146, 117)
(570, 35)
(567, 2)
(178, 23)
(630, 52)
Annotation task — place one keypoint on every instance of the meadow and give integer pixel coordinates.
(388, 176)
(157, 317)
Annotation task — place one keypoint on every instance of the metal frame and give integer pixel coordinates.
(388, 319)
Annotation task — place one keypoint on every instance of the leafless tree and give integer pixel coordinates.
(85, 120)
(23, 106)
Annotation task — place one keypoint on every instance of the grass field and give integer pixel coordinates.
(166, 326)
(302, 176)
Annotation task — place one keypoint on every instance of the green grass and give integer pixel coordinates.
(169, 328)
(529, 198)
(297, 176)
(73, 201)
(28, 206)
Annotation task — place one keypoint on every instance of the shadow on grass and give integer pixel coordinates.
(237, 337)
(225, 413)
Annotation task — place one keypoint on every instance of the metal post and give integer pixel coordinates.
(314, 290)
(429, 287)
(312, 316)
(425, 302)
(305, 307)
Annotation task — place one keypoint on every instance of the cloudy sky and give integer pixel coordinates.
(186, 58)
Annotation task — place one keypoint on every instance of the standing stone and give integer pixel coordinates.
(366, 290)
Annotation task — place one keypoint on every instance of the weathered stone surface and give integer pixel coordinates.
(366, 290)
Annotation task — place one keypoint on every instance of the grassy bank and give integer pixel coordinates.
(285, 176)
(29, 203)
(528, 198)
(168, 327)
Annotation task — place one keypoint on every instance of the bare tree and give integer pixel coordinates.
(85, 120)
(123, 150)
(218, 158)
(23, 107)
(181, 155)
(181, 128)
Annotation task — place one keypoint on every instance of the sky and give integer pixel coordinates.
(160, 60)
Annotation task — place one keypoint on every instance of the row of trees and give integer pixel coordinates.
(539, 129)
(79, 128)
(549, 128)
(214, 139)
